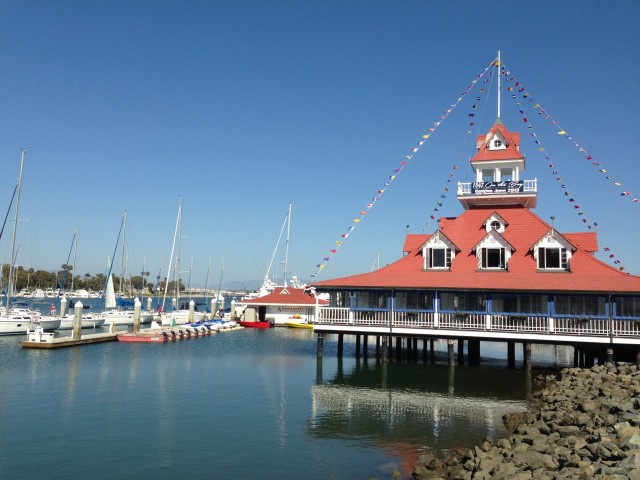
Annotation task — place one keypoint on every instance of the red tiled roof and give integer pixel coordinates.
(413, 241)
(284, 296)
(512, 152)
(587, 273)
(588, 241)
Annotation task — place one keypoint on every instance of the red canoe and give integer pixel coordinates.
(142, 337)
(255, 324)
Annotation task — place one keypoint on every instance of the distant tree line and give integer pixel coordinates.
(31, 279)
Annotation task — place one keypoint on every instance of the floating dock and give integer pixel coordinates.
(47, 340)
(40, 339)
(166, 334)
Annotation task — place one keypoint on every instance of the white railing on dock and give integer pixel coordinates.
(512, 323)
(528, 186)
(413, 319)
(463, 321)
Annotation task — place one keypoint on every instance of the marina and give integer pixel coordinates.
(257, 400)
(346, 375)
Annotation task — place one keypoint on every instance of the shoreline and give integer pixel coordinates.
(583, 423)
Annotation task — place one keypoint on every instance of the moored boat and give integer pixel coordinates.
(298, 324)
(254, 324)
(88, 321)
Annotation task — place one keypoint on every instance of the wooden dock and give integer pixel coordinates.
(69, 341)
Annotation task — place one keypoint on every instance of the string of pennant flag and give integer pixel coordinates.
(360, 216)
(517, 89)
(540, 146)
(472, 121)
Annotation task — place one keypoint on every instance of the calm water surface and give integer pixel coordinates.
(248, 404)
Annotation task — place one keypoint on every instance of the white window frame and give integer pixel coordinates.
(484, 257)
(543, 261)
(447, 258)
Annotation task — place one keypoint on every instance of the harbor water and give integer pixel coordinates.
(248, 404)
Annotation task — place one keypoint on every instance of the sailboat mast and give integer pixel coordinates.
(124, 241)
(498, 65)
(75, 255)
(178, 261)
(219, 288)
(286, 249)
(206, 282)
(173, 246)
(15, 230)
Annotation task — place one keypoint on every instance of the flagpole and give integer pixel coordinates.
(498, 83)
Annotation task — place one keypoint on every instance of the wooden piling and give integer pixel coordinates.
(320, 345)
(451, 352)
(527, 356)
(511, 355)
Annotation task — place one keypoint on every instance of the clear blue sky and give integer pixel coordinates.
(243, 107)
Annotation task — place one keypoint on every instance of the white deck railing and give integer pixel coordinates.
(528, 186)
(514, 323)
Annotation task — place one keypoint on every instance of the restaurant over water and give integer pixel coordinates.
(497, 272)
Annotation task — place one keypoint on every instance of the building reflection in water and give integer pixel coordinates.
(407, 408)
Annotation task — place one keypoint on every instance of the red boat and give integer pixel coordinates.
(254, 324)
(144, 337)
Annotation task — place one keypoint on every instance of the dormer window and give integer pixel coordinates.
(493, 252)
(438, 252)
(552, 258)
(438, 258)
(497, 142)
(492, 258)
(495, 222)
(552, 252)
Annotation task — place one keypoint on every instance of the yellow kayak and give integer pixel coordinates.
(298, 325)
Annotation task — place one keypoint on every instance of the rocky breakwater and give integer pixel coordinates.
(581, 424)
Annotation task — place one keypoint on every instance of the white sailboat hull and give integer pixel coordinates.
(124, 317)
(88, 321)
(19, 324)
(180, 317)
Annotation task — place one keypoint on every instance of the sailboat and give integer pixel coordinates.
(291, 304)
(112, 314)
(178, 314)
(16, 321)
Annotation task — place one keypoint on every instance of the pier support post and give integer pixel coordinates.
(473, 349)
(527, 356)
(385, 349)
(320, 346)
(357, 346)
(398, 348)
(511, 355)
(610, 356)
(319, 371)
(415, 349)
(137, 306)
(63, 306)
(432, 352)
(340, 344)
(192, 309)
(365, 344)
(77, 320)
(460, 351)
(451, 352)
